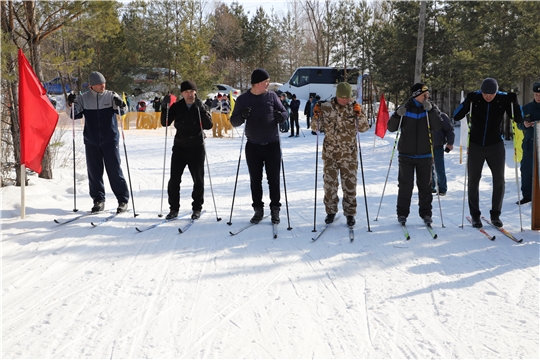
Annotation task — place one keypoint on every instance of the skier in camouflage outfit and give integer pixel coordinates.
(340, 119)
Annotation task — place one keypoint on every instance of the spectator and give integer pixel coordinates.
(531, 117)
(443, 140)
(295, 106)
(307, 111)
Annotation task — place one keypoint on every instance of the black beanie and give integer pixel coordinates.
(536, 87)
(259, 75)
(418, 89)
(188, 85)
(489, 86)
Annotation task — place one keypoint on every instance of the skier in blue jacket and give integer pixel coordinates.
(99, 108)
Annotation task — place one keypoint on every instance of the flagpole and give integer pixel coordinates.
(23, 184)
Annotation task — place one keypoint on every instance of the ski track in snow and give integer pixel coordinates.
(73, 291)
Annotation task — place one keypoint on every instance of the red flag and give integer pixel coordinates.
(382, 119)
(37, 116)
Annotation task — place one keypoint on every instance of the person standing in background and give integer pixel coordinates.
(443, 141)
(295, 107)
(531, 118)
(307, 111)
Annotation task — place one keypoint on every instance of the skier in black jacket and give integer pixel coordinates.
(418, 117)
(487, 107)
(190, 117)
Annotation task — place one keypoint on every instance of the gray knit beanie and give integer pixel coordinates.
(489, 86)
(96, 78)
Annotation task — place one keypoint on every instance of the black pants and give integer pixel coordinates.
(269, 157)
(105, 157)
(193, 158)
(294, 123)
(494, 155)
(407, 167)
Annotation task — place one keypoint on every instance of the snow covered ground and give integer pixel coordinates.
(74, 291)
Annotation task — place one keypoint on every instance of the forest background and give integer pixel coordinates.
(211, 42)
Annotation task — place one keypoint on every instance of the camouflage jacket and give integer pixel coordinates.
(339, 126)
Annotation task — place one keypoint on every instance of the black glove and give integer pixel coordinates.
(166, 100)
(401, 111)
(71, 98)
(427, 105)
(513, 97)
(118, 102)
(198, 103)
(246, 112)
(278, 116)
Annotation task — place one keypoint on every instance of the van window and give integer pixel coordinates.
(300, 78)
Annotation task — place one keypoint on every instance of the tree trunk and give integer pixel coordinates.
(35, 56)
(420, 43)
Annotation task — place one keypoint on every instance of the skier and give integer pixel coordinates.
(418, 118)
(340, 118)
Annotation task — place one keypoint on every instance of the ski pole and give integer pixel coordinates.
(284, 181)
(466, 169)
(389, 166)
(362, 171)
(74, 175)
(316, 173)
(433, 168)
(516, 169)
(164, 159)
(127, 163)
(208, 166)
(236, 179)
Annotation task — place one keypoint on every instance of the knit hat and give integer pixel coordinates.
(343, 90)
(418, 89)
(536, 87)
(188, 85)
(259, 75)
(489, 86)
(96, 78)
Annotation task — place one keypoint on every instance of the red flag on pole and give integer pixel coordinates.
(382, 119)
(37, 116)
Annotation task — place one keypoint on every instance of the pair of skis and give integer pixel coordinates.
(501, 229)
(326, 226)
(274, 228)
(428, 227)
(89, 213)
(165, 221)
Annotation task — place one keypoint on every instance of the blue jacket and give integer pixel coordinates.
(415, 139)
(99, 111)
(531, 112)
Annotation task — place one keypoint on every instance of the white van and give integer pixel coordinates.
(322, 81)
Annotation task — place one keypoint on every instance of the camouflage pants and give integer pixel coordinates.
(346, 168)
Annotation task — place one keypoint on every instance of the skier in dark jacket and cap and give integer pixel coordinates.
(487, 107)
(190, 118)
(418, 118)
